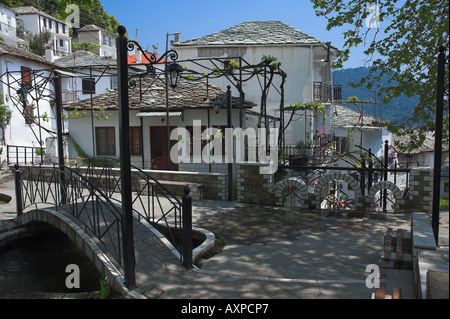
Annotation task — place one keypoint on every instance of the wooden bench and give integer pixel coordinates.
(177, 188)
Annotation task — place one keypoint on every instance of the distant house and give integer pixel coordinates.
(11, 28)
(92, 75)
(35, 22)
(105, 39)
(305, 59)
(31, 123)
(422, 156)
(190, 101)
(353, 130)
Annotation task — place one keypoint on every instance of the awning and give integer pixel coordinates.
(159, 114)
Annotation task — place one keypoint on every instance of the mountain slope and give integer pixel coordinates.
(397, 108)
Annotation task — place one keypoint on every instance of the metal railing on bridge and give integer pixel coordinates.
(91, 193)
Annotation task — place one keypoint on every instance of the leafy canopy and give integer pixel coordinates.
(404, 47)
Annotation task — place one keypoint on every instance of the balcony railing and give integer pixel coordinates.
(322, 92)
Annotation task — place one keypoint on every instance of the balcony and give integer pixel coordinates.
(322, 92)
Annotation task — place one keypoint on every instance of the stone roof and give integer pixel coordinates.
(33, 10)
(254, 33)
(84, 59)
(427, 146)
(93, 27)
(345, 117)
(188, 94)
(6, 49)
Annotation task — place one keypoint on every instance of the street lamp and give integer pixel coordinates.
(22, 93)
(174, 70)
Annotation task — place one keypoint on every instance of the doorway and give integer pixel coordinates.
(159, 151)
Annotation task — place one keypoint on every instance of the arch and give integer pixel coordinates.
(292, 185)
(324, 180)
(385, 185)
(79, 237)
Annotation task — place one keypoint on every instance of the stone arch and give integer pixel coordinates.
(292, 185)
(80, 238)
(324, 180)
(382, 185)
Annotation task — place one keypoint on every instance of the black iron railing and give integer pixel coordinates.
(67, 190)
(325, 92)
(367, 170)
(151, 200)
(91, 193)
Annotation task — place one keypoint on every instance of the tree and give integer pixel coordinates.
(85, 46)
(5, 117)
(403, 46)
(37, 42)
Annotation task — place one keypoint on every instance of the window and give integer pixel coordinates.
(105, 141)
(61, 43)
(57, 27)
(45, 22)
(135, 140)
(64, 28)
(88, 85)
(26, 77)
(342, 145)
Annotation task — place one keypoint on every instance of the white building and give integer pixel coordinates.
(11, 30)
(35, 22)
(105, 39)
(305, 59)
(34, 122)
(190, 101)
(92, 75)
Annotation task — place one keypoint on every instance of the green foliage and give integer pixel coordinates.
(5, 113)
(105, 290)
(85, 46)
(91, 11)
(37, 42)
(404, 49)
(78, 148)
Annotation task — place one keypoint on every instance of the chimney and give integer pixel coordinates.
(49, 56)
(176, 38)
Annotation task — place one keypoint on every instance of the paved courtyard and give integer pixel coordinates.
(275, 252)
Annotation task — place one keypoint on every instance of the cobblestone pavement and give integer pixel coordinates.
(271, 252)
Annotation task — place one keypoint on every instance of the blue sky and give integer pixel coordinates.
(195, 18)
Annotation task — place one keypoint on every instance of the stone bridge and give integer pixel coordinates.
(91, 217)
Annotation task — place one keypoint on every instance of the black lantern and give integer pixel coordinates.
(22, 93)
(174, 69)
(220, 100)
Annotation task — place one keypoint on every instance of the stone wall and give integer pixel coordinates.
(256, 188)
(252, 186)
(420, 190)
(216, 184)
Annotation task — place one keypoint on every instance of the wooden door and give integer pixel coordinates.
(159, 150)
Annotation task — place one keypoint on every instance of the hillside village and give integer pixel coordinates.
(89, 80)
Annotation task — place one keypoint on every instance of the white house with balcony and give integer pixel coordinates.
(11, 29)
(105, 39)
(35, 22)
(33, 122)
(305, 59)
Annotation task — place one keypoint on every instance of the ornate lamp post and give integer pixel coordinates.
(124, 82)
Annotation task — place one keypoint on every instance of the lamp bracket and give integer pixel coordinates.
(152, 58)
